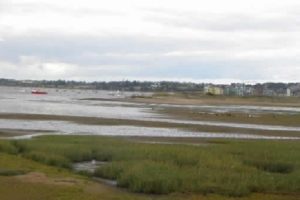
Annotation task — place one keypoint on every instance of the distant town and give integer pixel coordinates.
(233, 89)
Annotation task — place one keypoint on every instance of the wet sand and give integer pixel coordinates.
(194, 99)
(147, 124)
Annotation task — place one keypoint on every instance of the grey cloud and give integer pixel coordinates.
(43, 7)
(142, 55)
(64, 47)
(192, 69)
(69, 48)
(289, 21)
(96, 58)
(5, 5)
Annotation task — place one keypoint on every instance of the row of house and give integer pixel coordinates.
(239, 89)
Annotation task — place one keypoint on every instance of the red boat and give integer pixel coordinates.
(38, 92)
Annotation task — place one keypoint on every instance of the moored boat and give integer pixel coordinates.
(38, 92)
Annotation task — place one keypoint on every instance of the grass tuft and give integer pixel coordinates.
(9, 172)
(273, 167)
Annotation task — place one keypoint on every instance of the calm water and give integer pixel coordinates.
(67, 102)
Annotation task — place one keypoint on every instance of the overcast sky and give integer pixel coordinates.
(181, 40)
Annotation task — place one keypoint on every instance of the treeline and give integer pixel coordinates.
(133, 85)
(112, 85)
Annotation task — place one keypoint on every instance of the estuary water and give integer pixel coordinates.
(76, 103)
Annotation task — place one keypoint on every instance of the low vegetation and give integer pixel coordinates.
(45, 182)
(227, 168)
(9, 172)
(284, 119)
(197, 98)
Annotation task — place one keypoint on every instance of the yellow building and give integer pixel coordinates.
(213, 90)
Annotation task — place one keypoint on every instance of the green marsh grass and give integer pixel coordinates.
(10, 172)
(228, 168)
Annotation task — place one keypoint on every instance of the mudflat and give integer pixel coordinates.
(198, 99)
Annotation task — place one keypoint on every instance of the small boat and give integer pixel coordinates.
(38, 92)
(115, 93)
